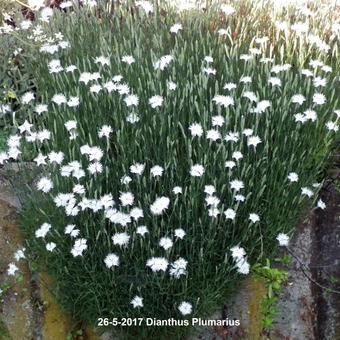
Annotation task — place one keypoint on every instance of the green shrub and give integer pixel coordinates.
(212, 246)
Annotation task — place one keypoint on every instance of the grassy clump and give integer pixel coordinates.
(161, 136)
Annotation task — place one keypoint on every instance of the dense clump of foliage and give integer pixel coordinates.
(172, 147)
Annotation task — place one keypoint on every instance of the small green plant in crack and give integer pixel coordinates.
(274, 279)
(3, 290)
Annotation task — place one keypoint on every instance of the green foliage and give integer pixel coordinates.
(83, 284)
(274, 280)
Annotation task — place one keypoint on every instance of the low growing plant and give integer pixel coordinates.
(173, 148)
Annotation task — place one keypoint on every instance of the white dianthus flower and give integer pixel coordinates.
(121, 239)
(197, 170)
(166, 243)
(111, 260)
(45, 184)
(157, 264)
(160, 205)
(283, 239)
(185, 308)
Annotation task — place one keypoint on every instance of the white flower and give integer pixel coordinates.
(212, 201)
(73, 102)
(118, 217)
(209, 70)
(178, 268)
(136, 213)
(331, 126)
(251, 96)
(95, 168)
(307, 192)
(230, 214)
(227, 9)
(176, 28)
(229, 164)
(59, 99)
(156, 171)
(185, 308)
(125, 179)
(12, 269)
(166, 243)
(121, 239)
(172, 86)
(274, 81)
(300, 118)
(137, 301)
(177, 190)
(197, 170)
(45, 185)
(310, 115)
(25, 127)
(19, 254)
(222, 32)
(293, 177)
(247, 132)
(163, 62)
(237, 155)
(96, 88)
(160, 205)
(217, 120)
(50, 246)
(27, 97)
(142, 230)
(145, 5)
(4, 157)
(237, 252)
(54, 66)
(180, 233)
(236, 185)
(132, 118)
(307, 73)
(254, 217)
(243, 266)
(70, 125)
(137, 168)
(229, 86)
(321, 204)
(40, 159)
(36, 4)
(283, 239)
(80, 245)
(246, 57)
(224, 101)
(232, 137)
(111, 260)
(128, 59)
(43, 230)
(245, 79)
(56, 157)
(319, 99)
(262, 106)
(105, 131)
(208, 59)
(196, 130)
(209, 189)
(126, 198)
(131, 100)
(318, 81)
(102, 60)
(156, 101)
(40, 108)
(254, 141)
(157, 264)
(213, 135)
(71, 68)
